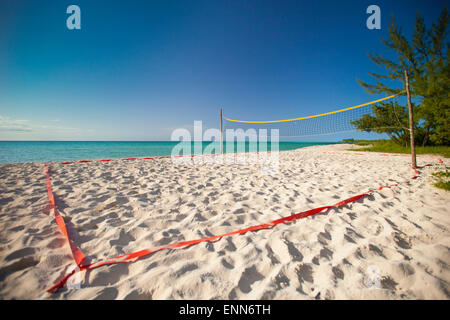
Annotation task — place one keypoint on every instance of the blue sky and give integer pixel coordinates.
(139, 69)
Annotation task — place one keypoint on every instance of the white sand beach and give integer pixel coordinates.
(394, 244)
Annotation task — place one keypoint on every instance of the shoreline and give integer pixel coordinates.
(116, 150)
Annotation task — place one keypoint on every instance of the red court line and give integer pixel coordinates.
(131, 257)
(145, 158)
(76, 252)
(148, 158)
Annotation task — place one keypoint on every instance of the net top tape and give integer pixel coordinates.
(317, 115)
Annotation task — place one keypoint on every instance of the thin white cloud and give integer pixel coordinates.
(56, 127)
(8, 124)
(26, 126)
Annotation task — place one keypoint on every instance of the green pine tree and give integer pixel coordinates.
(425, 57)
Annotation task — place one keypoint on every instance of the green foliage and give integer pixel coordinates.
(360, 142)
(442, 179)
(425, 57)
(388, 146)
(389, 118)
(442, 174)
(443, 185)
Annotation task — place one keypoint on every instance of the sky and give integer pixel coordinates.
(137, 70)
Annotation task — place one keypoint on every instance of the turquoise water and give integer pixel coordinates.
(44, 151)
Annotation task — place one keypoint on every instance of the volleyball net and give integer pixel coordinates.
(377, 116)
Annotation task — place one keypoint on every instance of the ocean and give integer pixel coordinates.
(49, 151)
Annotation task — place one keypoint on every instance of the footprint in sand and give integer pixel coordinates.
(230, 245)
(226, 264)
(273, 259)
(377, 250)
(295, 254)
(304, 273)
(23, 263)
(18, 254)
(186, 268)
(402, 241)
(326, 253)
(107, 294)
(281, 281)
(248, 277)
(324, 237)
(124, 239)
(338, 273)
(108, 277)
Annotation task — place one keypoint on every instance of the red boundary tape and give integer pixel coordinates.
(77, 255)
(144, 158)
(80, 259)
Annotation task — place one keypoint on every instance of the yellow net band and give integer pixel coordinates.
(317, 115)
